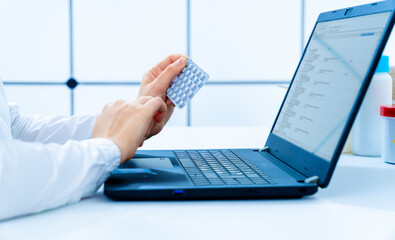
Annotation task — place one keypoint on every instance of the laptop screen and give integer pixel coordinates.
(328, 81)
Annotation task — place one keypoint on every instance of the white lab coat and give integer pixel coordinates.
(47, 162)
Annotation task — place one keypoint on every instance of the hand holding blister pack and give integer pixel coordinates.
(186, 84)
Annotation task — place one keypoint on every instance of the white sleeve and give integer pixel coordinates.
(49, 129)
(35, 176)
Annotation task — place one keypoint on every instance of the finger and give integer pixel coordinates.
(155, 105)
(169, 60)
(119, 102)
(162, 65)
(159, 126)
(169, 103)
(143, 99)
(170, 110)
(149, 129)
(159, 116)
(164, 79)
(160, 123)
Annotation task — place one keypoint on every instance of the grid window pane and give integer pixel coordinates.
(91, 100)
(120, 40)
(44, 100)
(237, 105)
(246, 40)
(34, 41)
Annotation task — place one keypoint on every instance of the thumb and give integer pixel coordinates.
(164, 79)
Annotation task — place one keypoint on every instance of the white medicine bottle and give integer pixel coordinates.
(366, 139)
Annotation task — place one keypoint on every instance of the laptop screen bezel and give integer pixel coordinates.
(296, 157)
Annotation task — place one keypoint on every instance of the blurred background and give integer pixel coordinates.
(72, 57)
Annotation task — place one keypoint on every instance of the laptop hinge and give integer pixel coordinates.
(313, 179)
(264, 149)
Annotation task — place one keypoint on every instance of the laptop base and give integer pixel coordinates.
(211, 194)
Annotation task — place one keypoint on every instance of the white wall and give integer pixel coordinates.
(235, 41)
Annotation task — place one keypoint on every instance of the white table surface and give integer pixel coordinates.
(358, 204)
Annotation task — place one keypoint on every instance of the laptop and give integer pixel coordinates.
(307, 136)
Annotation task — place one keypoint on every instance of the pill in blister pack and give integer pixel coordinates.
(186, 84)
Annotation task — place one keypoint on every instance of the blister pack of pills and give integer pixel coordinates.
(186, 84)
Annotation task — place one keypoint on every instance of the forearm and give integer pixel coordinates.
(57, 129)
(35, 177)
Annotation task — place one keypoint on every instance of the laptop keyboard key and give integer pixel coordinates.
(259, 181)
(231, 181)
(252, 175)
(216, 181)
(210, 175)
(186, 162)
(245, 181)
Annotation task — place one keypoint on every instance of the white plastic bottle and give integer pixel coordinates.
(366, 139)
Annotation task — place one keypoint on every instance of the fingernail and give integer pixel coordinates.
(168, 102)
(159, 116)
(181, 61)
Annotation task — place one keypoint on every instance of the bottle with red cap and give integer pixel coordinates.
(366, 139)
(387, 112)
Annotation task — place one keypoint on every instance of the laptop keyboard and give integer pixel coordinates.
(221, 167)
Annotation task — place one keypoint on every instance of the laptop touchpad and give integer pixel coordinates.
(147, 163)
